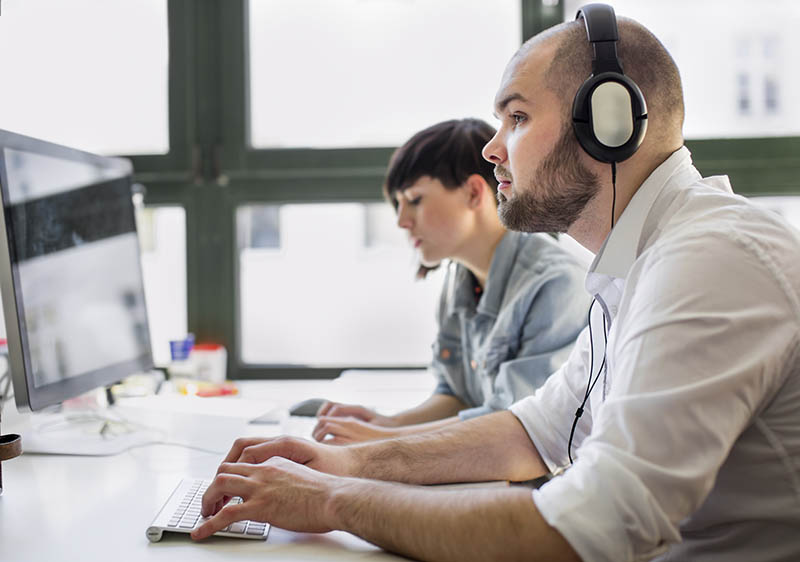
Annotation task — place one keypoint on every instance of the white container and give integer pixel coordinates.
(210, 361)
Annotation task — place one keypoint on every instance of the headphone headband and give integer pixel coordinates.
(601, 29)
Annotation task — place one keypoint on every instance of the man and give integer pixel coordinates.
(688, 446)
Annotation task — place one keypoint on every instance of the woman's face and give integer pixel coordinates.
(437, 219)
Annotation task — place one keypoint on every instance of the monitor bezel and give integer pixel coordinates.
(27, 396)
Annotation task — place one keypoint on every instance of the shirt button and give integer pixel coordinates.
(473, 364)
(444, 354)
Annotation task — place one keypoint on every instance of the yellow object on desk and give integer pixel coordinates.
(203, 388)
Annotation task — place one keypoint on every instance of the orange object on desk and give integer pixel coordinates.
(206, 389)
(217, 389)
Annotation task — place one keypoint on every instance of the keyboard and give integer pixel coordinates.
(181, 514)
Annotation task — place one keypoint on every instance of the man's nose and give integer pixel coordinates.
(495, 151)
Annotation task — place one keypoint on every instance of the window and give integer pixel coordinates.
(743, 82)
(259, 227)
(331, 295)
(162, 242)
(771, 99)
(233, 137)
(371, 73)
(91, 74)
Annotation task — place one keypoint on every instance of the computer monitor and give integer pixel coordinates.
(70, 274)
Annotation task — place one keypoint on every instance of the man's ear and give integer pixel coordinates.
(477, 190)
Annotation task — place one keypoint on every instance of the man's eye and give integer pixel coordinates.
(415, 201)
(518, 119)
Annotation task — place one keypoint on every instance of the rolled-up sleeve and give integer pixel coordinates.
(470, 413)
(443, 388)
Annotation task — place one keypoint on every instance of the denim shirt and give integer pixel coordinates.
(494, 350)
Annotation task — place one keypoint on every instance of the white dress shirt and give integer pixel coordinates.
(689, 448)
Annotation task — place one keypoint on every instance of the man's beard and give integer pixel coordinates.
(559, 191)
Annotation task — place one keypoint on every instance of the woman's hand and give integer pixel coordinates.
(335, 409)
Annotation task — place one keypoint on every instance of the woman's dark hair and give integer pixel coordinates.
(449, 151)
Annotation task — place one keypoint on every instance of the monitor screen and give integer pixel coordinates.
(70, 274)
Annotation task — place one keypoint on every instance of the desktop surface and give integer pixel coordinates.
(97, 508)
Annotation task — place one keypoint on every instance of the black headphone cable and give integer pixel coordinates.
(590, 384)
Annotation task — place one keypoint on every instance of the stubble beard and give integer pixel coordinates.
(557, 193)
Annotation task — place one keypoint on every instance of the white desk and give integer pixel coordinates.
(97, 508)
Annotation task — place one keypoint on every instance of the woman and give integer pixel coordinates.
(512, 303)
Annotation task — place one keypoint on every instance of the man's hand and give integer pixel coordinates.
(279, 491)
(325, 458)
(335, 409)
(349, 430)
(257, 450)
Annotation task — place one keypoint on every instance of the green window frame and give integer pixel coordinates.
(210, 170)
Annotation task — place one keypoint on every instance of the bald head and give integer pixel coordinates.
(643, 58)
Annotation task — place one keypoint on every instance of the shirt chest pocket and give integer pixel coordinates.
(447, 351)
(448, 364)
(448, 359)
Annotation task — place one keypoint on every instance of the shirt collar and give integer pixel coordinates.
(621, 247)
(499, 271)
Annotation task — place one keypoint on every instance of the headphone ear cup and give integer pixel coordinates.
(612, 117)
(581, 116)
(609, 117)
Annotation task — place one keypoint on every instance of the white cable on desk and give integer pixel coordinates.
(116, 427)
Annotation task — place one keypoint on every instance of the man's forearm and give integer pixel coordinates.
(491, 447)
(462, 525)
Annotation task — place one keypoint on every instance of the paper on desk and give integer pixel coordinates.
(391, 379)
(386, 391)
(225, 406)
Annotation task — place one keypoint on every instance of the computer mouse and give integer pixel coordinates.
(308, 407)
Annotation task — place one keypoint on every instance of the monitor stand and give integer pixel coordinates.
(94, 429)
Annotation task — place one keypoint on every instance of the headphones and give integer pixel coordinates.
(609, 114)
(609, 117)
